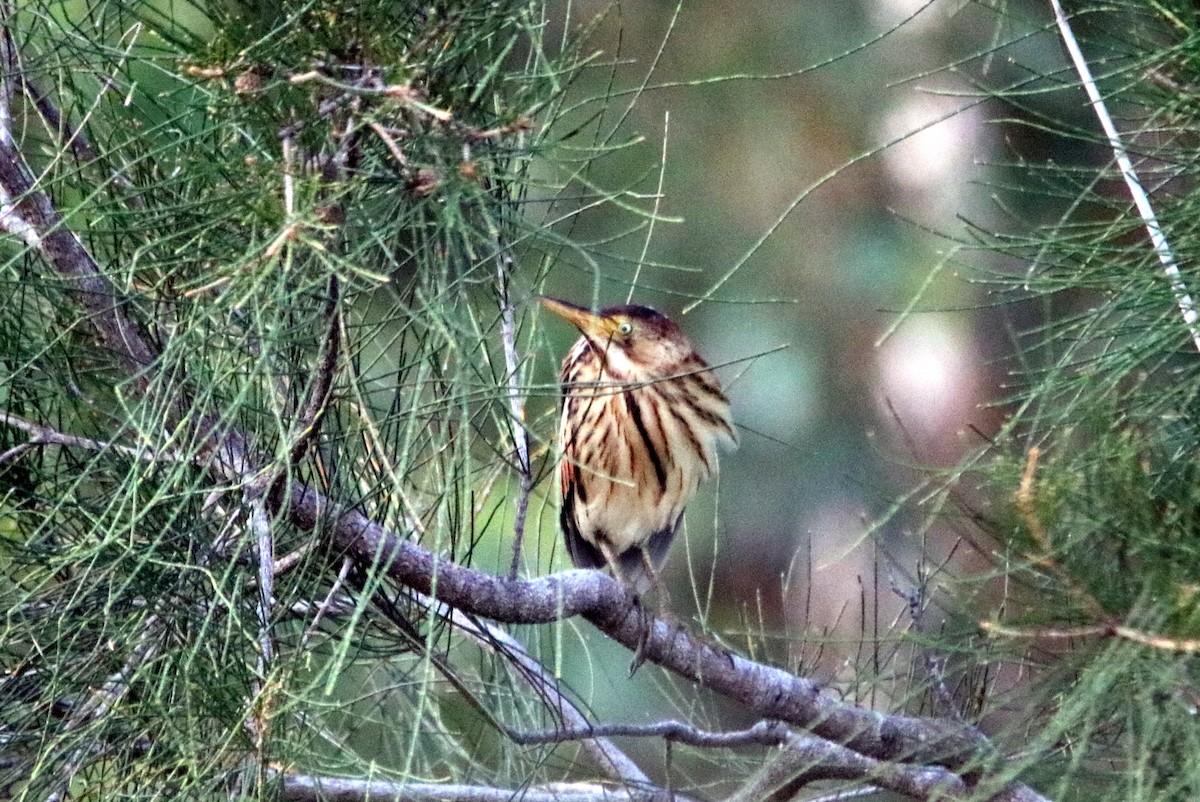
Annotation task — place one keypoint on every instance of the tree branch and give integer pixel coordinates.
(769, 692)
(308, 788)
(504, 266)
(807, 759)
(764, 733)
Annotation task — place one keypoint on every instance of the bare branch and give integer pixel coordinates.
(44, 435)
(769, 692)
(504, 266)
(764, 733)
(807, 759)
(1183, 298)
(258, 717)
(307, 788)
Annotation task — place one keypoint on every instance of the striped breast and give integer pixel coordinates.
(634, 451)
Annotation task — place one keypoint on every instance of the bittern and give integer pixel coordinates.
(642, 416)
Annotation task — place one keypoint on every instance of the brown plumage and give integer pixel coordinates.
(641, 421)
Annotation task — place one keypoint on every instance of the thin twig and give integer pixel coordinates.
(44, 435)
(842, 796)
(764, 733)
(406, 94)
(289, 175)
(1151, 640)
(1025, 500)
(1187, 306)
(606, 754)
(504, 267)
(11, 71)
(1045, 633)
(259, 714)
(290, 560)
(390, 144)
(933, 661)
(309, 788)
(104, 699)
(327, 602)
(308, 425)
(658, 197)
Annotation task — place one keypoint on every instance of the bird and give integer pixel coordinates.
(643, 417)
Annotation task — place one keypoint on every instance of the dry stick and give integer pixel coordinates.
(769, 692)
(504, 267)
(1151, 640)
(44, 435)
(842, 796)
(12, 71)
(405, 94)
(1187, 306)
(1025, 500)
(259, 715)
(310, 788)
(764, 733)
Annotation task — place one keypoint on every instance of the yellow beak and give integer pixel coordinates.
(585, 320)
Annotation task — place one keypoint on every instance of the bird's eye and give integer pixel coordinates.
(625, 329)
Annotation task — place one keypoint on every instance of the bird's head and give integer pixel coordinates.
(638, 343)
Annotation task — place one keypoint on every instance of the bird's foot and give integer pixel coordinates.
(645, 627)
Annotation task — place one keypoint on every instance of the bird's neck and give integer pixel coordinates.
(593, 362)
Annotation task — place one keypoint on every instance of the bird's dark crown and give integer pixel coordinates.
(633, 311)
(648, 321)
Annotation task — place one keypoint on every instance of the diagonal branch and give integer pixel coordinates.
(309, 788)
(606, 754)
(767, 691)
(1183, 299)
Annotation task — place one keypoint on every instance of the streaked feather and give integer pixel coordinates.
(637, 442)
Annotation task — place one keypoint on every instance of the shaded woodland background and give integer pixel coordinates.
(903, 157)
(891, 226)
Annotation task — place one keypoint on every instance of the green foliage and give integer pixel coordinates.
(1094, 605)
(266, 184)
(241, 169)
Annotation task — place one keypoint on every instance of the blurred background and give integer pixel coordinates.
(896, 150)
